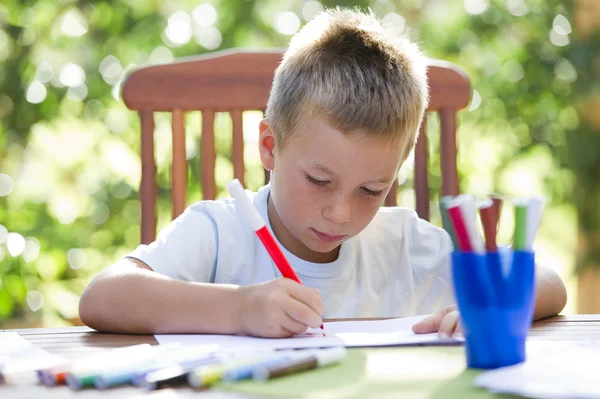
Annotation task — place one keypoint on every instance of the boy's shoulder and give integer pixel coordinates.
(225, 213)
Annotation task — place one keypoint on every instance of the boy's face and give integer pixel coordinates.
(326, 186)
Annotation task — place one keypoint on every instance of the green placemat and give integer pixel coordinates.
(415, 372)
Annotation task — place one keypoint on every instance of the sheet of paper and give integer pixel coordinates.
(553, 369)
(17, 355)
(392, 332)
(364, 333)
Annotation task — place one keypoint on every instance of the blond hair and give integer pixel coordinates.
(343, 65)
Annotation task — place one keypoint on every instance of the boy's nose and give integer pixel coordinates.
(340, 209)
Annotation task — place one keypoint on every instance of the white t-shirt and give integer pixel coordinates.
(398, 266)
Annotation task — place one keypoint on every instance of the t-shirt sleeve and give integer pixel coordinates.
(431, 250)
(186, 249)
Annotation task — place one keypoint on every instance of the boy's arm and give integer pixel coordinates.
(129, 297)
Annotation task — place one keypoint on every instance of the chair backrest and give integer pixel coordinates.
(237, 80)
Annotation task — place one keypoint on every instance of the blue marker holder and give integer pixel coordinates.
(495, 293)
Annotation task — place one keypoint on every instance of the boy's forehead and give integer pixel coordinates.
(321, 146)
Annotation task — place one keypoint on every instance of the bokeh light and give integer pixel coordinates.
(15, 243)
(476, 6)
(205, 15)
(73, 23)
(475, 101)
(208, 37)
(35, 300)
(32, 249)
(44, 72)
(179, 29)
(76, 258)
(36, 92)
(561, 25)
(72, 75)
(286, 22)
(518, 8)
(7, 185)
(111, 69)
(310, 9)
(161, 55)
(565, 70)
(3, 234)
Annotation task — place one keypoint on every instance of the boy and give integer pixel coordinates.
(343, 115)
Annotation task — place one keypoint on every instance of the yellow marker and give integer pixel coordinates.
(210, 374)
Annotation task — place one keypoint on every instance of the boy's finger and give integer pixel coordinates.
(306, 295)
(432, 323)
(293, 326)
(448, 325)
(302, 313)
(429, 324)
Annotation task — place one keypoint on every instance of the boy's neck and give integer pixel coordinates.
(292, 244)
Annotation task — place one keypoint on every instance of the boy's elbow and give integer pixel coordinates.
(552, 293)
(89, 309)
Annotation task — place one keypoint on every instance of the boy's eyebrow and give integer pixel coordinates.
(322, 168)
(384, 180)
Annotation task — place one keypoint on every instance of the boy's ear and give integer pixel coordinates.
(266, 145)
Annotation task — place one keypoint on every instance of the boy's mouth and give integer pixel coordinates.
(328, 237)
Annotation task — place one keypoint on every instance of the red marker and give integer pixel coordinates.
(257, 223)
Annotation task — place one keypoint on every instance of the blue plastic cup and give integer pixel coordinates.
(495, 305)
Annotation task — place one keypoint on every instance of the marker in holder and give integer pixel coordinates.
(496, 305)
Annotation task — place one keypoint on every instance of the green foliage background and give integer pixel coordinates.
(69, 165)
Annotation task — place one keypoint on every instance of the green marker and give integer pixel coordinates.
(520, 224)
(446, 219)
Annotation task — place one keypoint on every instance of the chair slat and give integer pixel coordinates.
(148, 183)
(448, 152)
(237, 145)
(179, 165)
(421, 180)
(208, 155)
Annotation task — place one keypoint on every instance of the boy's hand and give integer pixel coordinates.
(279, 308)
(446, 322)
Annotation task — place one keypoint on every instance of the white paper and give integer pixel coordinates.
(363, 333)
(553, 369)
(18, 355)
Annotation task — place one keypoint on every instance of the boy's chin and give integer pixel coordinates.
(322, 247)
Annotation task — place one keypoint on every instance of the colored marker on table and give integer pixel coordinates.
(205, 376)
(53, 376)
(257, 223)
(167, 356)
(178, 374)
(83, 374)
(316, 359)
(246, 371)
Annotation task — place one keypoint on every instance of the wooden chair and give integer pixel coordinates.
(237, 80)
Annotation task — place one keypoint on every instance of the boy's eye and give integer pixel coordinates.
(316, 182)
(371, 192)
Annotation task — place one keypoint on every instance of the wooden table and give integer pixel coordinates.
(74, 342)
